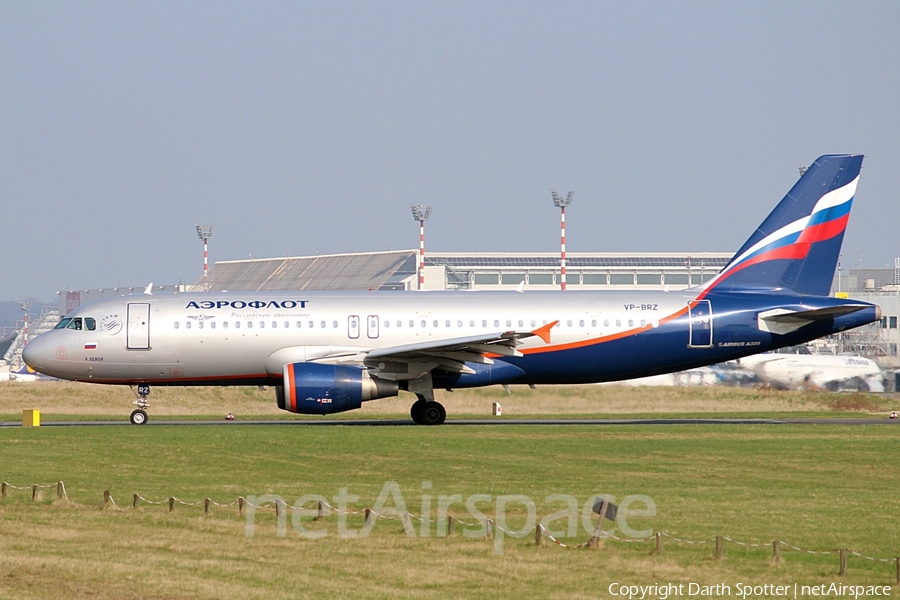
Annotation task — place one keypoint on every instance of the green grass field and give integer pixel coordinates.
(818, 487)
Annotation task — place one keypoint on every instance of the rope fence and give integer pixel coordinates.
(451, 522)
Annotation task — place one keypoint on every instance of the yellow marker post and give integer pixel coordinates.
(31, 418)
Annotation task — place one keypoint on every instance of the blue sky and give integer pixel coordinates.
(310, 127)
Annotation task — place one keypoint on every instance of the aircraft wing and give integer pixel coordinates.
(782, 321)
(411, 361)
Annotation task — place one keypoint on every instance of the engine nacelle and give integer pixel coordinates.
(319, 389)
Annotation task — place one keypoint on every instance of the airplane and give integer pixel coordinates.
(328, 352)
(825, 371)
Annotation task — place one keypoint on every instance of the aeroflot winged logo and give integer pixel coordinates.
(239, 304)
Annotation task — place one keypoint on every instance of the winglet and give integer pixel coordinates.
(149, 289)
(521, 287)
(544, 332)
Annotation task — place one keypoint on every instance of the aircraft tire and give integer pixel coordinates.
(433, 413)
(415, 411)
(138, 417)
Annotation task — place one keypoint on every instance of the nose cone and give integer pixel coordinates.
(38, 353)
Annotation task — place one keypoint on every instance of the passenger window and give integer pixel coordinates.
(618, 322)
(334, 324)
(322, 324)
(630, 322)
(606, 322)
(75, 324)
(412, 323)
(643, 323)
(459, 323)
(593, 322)
(508, 323)
(237, 324)
(224, 324)
(63, 324)
(310, 324)
(581, 323)
(199, 324)
(212, 324)
(533, 323)
(569, 323)
(274, 324)
(423, 323)
(90, 324)
(187, 325)
(262, 324)
(521, 323)
(287, 324)
(435, 323)
(387, 322)
(447, 323)
(496, 323)
(484, 323)
(249, 324)
(472, 323)
(177, 325)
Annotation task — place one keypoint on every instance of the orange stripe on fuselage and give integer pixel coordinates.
(595, 341)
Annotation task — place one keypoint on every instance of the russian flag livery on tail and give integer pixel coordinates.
(797, 246)
(313, 348)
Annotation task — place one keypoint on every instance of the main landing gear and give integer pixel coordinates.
(139, 416)
(424, 412)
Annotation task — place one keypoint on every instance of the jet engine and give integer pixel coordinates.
(321, 389)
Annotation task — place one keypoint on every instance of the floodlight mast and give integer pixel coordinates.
(562, 203)
(25, 306)
(421, 214)
(204, 232)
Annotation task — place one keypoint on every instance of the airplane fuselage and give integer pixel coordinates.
(245, 338)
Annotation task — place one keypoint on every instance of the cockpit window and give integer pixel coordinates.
(62, 324)
(90, 324)
(75, 323)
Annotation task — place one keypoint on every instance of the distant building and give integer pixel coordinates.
(396, 270)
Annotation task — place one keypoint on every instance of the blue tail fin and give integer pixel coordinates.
(796, 248)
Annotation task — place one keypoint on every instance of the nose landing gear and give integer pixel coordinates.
(139, 416)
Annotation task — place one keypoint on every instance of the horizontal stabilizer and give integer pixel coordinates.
(782, 321)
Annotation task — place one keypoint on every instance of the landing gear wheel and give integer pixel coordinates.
(416, 410)
(138, 417)
(433, 413)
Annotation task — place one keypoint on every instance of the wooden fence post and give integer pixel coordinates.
(34, 492)
(240, 505)
(451, 525)
(720, 546)
(321, 514)
(489, 527)
(369, 520)
(538, 535)
(776, 551)
(898, 569)
(278, 509)
(843, 570)
(206, 506)
(134, 501)
(3, 489)
(659, 546)
(594, 542)
(60, 490)
(105, 498)
(171, 503)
